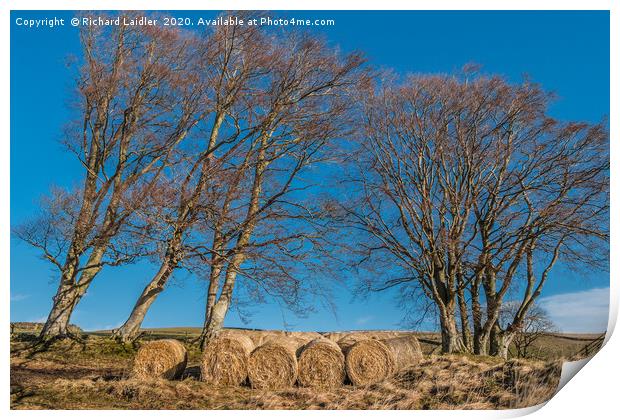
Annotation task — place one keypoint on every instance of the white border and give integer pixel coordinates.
(592, 395)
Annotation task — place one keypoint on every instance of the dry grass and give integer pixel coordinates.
(445, 382)
(321, 364)
(96, 375)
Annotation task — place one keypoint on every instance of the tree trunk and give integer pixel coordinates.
(217, 314)
(209, 327)
(479, 340)
(65, 300)
(130, 330)
(69, 294)
(451, 341)
(214, 284)
(500, 343)
(216, 319)
(71, 291)
(465, 327)
(483, 344)
(57, 322)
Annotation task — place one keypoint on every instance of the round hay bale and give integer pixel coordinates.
(267, 336)
(254, 335)
(405, 350)
(347, 340)
(225, 360)
(274, 364)
(367, 361)
(304, 335)
(164, 359)
(321, 364)
(334, 336)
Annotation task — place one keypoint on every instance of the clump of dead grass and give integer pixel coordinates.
(449, 382)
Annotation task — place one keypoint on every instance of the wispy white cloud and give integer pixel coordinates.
(17, 297)
(364, 320)
(584, 311)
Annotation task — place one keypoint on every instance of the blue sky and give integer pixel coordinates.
(567, 52)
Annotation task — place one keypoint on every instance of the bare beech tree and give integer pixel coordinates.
(137, 102)
(418, 178)
(302, 106)
(459, 179)
(232, 60)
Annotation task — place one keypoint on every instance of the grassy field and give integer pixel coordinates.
(93, 373)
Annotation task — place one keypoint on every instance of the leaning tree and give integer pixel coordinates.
(230, 61)
(266, 219)
(136, 102)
